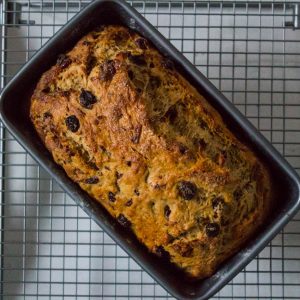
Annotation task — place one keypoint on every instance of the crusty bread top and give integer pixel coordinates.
(136, 136)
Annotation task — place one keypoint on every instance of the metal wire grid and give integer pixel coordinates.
(51, 249)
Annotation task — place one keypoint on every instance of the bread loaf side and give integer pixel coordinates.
(139, 139)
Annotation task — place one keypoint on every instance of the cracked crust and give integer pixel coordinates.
(136, 136)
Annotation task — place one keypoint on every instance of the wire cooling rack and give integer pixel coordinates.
(51, 249)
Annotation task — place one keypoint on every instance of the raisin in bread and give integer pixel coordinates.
(137, 137)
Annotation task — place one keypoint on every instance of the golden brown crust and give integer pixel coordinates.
(136, 136)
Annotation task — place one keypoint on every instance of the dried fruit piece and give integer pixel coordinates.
(72, 123)
(212, 229)
(107, 70)
(90, 64)
(141, 43)
(87, 99)
(92, 180)
(63, 61)
(111, 197)
(171, 114)
(123, 221)
(161, 252)
(187, 190)
(129, 202)
(167, 211)
(136, 191)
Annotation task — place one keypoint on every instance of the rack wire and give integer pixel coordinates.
(50, 248)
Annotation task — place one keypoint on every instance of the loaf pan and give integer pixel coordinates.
(15, 102)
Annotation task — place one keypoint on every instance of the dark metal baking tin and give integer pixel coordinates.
(14, 105)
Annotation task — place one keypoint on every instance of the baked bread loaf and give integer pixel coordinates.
(138, 138)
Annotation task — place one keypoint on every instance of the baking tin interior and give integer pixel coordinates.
(285, 183)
